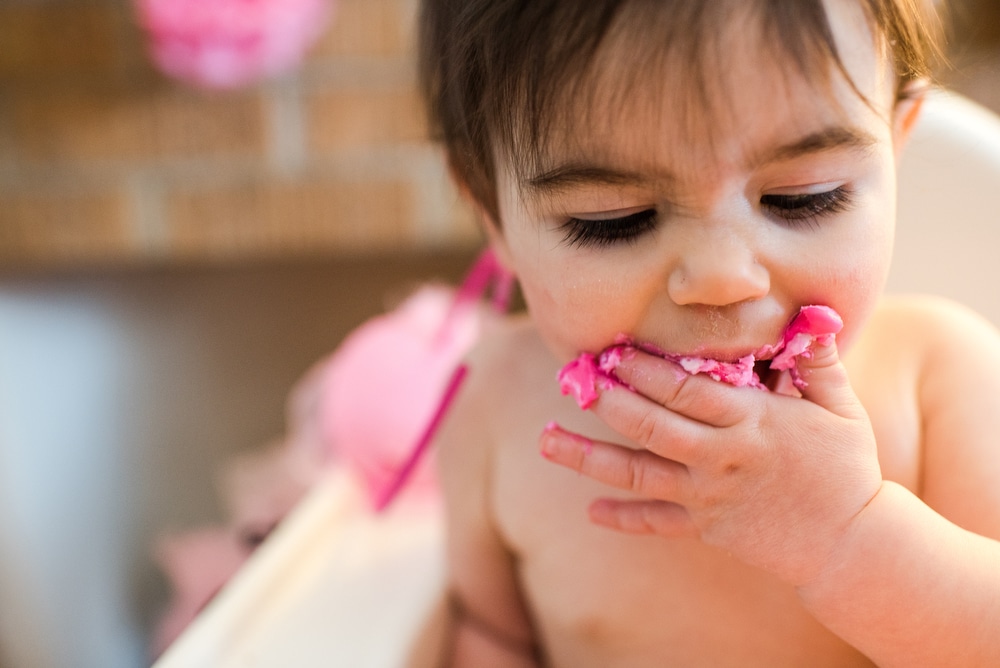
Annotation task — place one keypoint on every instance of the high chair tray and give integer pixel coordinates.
(334, 585)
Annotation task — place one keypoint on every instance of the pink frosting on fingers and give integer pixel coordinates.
(585, 376)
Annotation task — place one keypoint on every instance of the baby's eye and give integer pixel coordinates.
(806, 208)
(609, 231)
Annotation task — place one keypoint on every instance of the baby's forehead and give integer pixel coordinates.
(663, 129)
(731, 95)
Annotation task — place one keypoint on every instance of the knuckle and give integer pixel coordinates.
(686, 394)
(647, 428)
(709, 401)
(823, 356)
(636, 473)
(652, 518)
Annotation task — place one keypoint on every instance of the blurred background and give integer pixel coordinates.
(174, 256)
(106, 163)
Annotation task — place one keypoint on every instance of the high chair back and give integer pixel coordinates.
(948, 230)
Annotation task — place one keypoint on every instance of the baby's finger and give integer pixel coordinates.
(657, 428)
(694, 396)
(824, 380)
(637, 471)
(662, 518)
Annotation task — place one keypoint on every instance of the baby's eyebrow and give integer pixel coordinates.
(570, 175)
(833, 137)
(576, 175)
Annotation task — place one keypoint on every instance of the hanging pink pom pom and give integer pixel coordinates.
(230, 43)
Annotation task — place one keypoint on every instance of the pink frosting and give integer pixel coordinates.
(583, 377)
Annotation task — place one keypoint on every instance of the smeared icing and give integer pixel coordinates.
(583, 377)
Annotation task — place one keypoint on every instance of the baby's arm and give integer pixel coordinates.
(489, 623)
(918, 581)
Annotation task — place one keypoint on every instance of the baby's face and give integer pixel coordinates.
(703, 232)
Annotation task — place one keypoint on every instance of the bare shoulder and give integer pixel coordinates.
(919, 336)
(505, 364)
(954, 355)
(931, 320)
(954, 351)
(511, 352)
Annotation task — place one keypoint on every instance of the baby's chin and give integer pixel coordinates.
(768, 368)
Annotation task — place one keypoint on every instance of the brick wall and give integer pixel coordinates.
(105, 162)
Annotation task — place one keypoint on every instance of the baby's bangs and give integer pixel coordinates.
(558, 44)
(626, 54)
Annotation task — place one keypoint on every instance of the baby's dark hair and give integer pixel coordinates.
(497, 74)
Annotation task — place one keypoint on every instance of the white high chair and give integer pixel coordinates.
(101, 378)
(948, 226)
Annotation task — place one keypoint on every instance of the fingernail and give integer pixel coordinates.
(555, 439)
(549, 438)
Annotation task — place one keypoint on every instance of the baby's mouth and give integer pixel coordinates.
(762, 369)
(768, 376)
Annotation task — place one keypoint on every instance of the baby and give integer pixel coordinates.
(687, 175)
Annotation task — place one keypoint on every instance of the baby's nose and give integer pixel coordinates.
(719, 271)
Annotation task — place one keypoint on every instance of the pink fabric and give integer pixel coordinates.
(386, 390)
(403, 475)
(230, 43)
(384, 384)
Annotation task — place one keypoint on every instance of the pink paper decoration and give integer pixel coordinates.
(230, 43)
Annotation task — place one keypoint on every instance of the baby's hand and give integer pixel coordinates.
(775, 480)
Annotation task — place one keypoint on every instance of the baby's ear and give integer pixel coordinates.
(906, 114)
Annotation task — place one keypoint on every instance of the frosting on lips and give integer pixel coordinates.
(588, 373)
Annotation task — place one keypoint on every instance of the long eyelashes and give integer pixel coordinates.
(609, 231)
(790, 210)
(806, 209)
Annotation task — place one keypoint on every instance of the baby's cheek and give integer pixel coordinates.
(577, 321)
(584, 304)
(855, 295)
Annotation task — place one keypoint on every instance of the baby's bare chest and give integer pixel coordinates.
(681, 605)
(601, 598)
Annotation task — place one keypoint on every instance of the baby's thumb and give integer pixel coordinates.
(822, 378)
